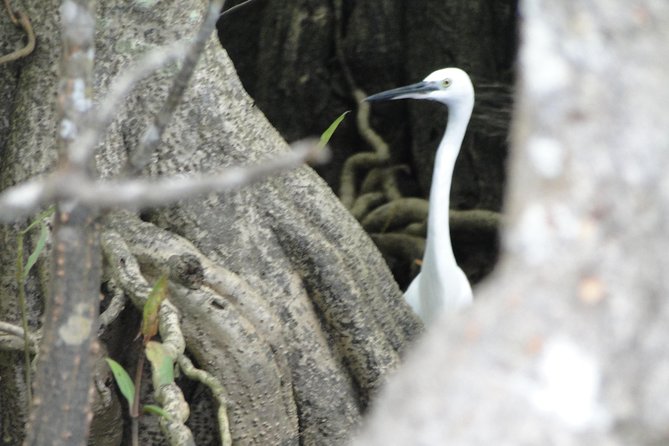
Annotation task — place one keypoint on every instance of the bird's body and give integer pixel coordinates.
(441, 284)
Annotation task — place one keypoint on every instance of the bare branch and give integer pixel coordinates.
(236, 8)
(68, 335)
(26, 198)
(143, 192)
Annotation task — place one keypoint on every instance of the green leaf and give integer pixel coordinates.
(155, 410)
(161, 363)
(325, 137)
(123, 380)
(151, 308)
(41, 243)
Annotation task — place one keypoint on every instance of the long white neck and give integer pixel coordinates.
(439, 261)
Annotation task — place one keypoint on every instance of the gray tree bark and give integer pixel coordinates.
(298, 315)
(567, 343)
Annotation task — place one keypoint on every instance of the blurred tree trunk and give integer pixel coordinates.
(567, 344)
(320, 319)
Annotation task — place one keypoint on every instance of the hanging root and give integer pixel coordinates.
(365, 160)
(217, 390)
(127, 274)
(115, 307)
(356, 163)
(23, 21)
(12, 338)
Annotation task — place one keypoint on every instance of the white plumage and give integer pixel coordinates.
(441, 284)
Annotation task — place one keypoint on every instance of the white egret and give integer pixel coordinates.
(441, 284)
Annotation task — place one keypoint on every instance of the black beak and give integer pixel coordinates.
(403, 92)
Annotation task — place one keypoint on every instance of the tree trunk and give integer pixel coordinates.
(567, 343)
(298, 315)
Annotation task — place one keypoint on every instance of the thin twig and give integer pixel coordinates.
(141, 192)
(145, 192)
(236, 8)
(25, 198)
(152, 136)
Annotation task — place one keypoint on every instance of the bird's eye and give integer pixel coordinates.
(446, 83)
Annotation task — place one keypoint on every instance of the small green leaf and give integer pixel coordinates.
(155, 410)
(41, 243)
(325, 137)
(151, 308)
(161, 363)
(123, 380)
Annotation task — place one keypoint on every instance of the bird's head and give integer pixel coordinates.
(450, 86)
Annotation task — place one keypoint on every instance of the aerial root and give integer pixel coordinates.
(365, 203)
(399, 245)
(396, 214)
(158, 250)
(115, 307)
(125, 270)
(475, 220)
(380, 154)
(386, 180)
(21, 20)
(146, 250)
(11, 338)
(399, 228)
(217, 390)
(127, 277)
(172, 400)
(349, 174)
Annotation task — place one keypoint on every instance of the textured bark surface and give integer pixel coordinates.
(324, 320)
(567, 343)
